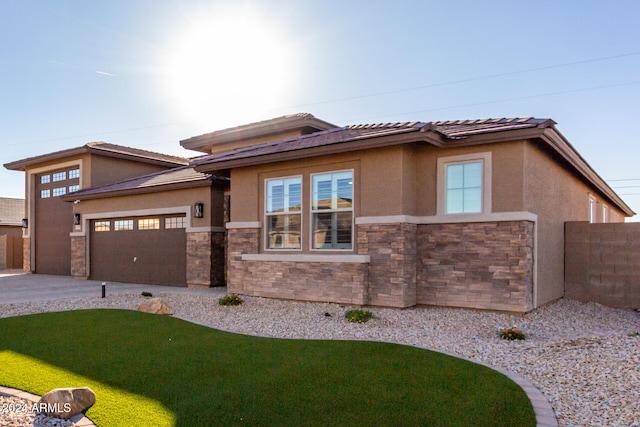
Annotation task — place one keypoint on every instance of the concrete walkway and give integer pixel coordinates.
(17, 287)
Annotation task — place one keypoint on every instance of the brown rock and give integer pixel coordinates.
(65, 403)
(155, 306)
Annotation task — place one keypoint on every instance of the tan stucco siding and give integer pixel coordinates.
(166, 199)
(105, 170)
(556, 196)
(507, 180)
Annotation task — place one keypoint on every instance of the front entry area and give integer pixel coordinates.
(149, 250)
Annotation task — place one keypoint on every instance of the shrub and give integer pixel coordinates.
(147, 294)
(512, 334)
(358, 316)
(232, 299)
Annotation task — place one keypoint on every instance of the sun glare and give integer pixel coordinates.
(227, 70)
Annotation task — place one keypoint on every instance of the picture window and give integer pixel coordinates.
(59, 176)
(74, 174)
(60, 191)
(45, 179)
(45, 194)
(73, 188)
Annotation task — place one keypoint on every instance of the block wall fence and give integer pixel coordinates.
(602, 263)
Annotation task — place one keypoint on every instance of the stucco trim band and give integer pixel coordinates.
(446, 219)
(244, 224)
(356, 259)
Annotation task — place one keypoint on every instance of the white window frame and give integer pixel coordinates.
(268, 215)
(59, 176)
(485, 159)
(593, 209)
(333, 210)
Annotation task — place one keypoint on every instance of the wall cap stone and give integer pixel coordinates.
(243, 224)
(446, 219)
(356, 259)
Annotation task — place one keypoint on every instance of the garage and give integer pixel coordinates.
(148, 250)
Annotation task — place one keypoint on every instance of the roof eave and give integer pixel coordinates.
(563, 147)
(23, 164)
(72, 197)
(335, 148)
(254, 130)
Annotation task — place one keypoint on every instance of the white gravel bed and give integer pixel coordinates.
(585, 358)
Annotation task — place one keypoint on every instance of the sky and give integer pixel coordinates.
(149, 73)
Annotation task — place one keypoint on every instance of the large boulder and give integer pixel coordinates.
(65, 403)
(155, 306)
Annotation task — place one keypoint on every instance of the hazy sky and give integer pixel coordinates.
(148, 73)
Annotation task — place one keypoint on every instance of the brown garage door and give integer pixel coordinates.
(149, 250)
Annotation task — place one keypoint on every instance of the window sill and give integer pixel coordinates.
(356, 259)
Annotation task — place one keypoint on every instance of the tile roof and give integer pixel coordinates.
(103, 148)
(11, 211)
(152, 182)
(137, 152)
(457, 129)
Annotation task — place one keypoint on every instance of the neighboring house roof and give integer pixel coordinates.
(11, 211)
(105, 149)
(441, 134)
(172, 179)
(304, 122)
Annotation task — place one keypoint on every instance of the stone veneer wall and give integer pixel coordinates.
(79, 257)
(392, 269)
(205, 259)
(485, 265)
(340, 282)
(26, 254)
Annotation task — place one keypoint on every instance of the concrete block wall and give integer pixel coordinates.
(602, 263)
(484, 265)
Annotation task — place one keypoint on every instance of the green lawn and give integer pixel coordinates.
(150, 370)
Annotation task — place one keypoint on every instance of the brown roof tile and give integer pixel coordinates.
(448, 129)
(152, 182)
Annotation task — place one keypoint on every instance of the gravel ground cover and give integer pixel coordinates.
(584, 357)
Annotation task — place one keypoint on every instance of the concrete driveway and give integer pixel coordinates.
(17, 287)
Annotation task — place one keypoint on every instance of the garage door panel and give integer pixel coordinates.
(139, 256)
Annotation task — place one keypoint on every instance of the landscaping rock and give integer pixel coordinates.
(155, 306)
(65, 403)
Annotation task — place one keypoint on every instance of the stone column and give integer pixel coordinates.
(392, 270)
(79, 257)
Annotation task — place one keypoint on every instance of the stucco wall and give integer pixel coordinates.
(556, 196)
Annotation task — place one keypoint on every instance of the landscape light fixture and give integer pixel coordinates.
(198, 210)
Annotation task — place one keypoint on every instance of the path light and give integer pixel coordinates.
(104, 289)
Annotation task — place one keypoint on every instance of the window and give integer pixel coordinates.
(60, 191)
(74, 174)
(283, 213)
(332, 210)
(59, 176)
(73, 188)
(45, 194)
(102, 226)
(464, 188)
(123, 225)
(45, 179)
(464, 184)
(149, 224)
(592, 209)
(178, 222)
(605, 214)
